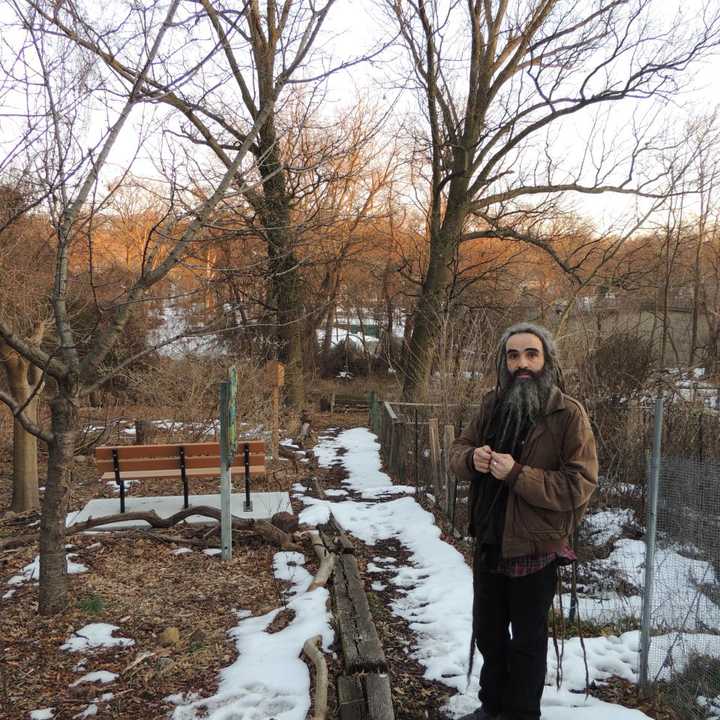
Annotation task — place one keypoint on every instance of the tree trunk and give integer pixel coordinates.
(334, 286)
(290, 334)
(25, 472)
(53, 565)
(427, 315)
(696, 295)
(22, 378)
(284, 266)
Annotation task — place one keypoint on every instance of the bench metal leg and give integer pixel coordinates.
(247, 507)
(118, 478)
(183, 473)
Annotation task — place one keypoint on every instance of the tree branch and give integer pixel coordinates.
(23, 419)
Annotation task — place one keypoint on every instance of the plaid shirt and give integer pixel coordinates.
(527, 564)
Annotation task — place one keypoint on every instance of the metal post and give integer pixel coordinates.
(653, 492)
(246, 459)
(118, 478)
(225, 484)
(183, 475)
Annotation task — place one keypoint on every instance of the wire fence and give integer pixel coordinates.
(680, 657)
(682, 618)
(415, 440)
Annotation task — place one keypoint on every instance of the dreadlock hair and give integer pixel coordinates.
(552, 363)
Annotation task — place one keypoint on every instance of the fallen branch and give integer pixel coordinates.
(265, 529)
(327, 562)
(321, 676)
(140, 658)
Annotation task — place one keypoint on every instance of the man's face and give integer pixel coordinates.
(525, 357)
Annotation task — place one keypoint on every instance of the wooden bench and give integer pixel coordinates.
(181, 461)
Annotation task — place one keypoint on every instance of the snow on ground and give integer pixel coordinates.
(43, 714)
(101, 676)
(606, 525)
(95, 636)
(440, 620)
(31, 572)
(269, 677)
(677, 602)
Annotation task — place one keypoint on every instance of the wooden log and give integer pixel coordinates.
(379, 697)
(345, 544)
(365, 697)
(351, 698)
(361, 646)
(337, 541)
(327, 562)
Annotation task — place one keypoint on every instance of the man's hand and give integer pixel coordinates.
(481, 458)
(500, 465)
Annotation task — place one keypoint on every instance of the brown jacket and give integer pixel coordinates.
(551, 483)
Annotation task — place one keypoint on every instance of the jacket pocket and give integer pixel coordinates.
(547, 524)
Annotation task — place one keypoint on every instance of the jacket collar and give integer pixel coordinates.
(555, 401)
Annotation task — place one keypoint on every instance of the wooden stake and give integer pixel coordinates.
(275, 422)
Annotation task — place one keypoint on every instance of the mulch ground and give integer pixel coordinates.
(136, 582)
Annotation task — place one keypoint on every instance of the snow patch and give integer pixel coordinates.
(95, 635)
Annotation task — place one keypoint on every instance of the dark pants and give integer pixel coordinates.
(513, 672)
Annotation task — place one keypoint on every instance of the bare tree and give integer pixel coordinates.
(498, 81)
(246, 58)
(63, 83)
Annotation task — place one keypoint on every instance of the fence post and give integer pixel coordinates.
(417, 457)
(654, 487)
(393, 439)
(434, 438)
(448, 477)
(372, 411)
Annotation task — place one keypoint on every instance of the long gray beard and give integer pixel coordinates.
(521, 405)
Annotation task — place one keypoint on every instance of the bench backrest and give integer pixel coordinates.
(168, 457)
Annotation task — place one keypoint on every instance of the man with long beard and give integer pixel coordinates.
(530, 457)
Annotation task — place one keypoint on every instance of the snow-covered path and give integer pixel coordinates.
(435, 588)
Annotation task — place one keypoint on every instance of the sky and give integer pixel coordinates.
(351, 30)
